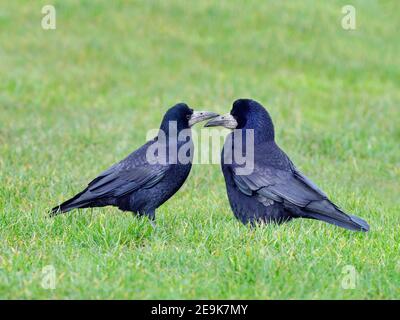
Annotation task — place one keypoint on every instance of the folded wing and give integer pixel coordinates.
(296, 192)
(116, 182)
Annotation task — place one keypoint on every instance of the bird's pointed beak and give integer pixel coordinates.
(226, 120)
(199, 116)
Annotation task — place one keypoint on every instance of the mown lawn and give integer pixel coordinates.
(76, 99)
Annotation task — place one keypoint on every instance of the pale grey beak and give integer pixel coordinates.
(199, 116)
(226, 120)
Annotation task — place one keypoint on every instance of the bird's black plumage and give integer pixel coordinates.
(275, 191)
(137, 183)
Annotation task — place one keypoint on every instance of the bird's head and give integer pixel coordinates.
(247, 114)
(184, 117)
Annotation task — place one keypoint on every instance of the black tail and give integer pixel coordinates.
(70, 204)
(351, 223)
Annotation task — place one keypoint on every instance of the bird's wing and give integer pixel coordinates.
(268, 185)
(129, 175)
(277, 185)
(278, 180)
(306, 180)
(121, 182)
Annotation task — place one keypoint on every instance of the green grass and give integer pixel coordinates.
(75, 100)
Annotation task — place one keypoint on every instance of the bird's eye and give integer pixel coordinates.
(188, 116)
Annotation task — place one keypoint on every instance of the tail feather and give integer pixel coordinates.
(349, 222)
(362, 223)
(69, 205)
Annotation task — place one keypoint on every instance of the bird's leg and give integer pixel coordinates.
(152, 217)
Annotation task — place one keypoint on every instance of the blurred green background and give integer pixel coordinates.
(77, 99)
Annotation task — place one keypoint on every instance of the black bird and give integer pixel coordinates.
(150, 175)
(274, 190)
